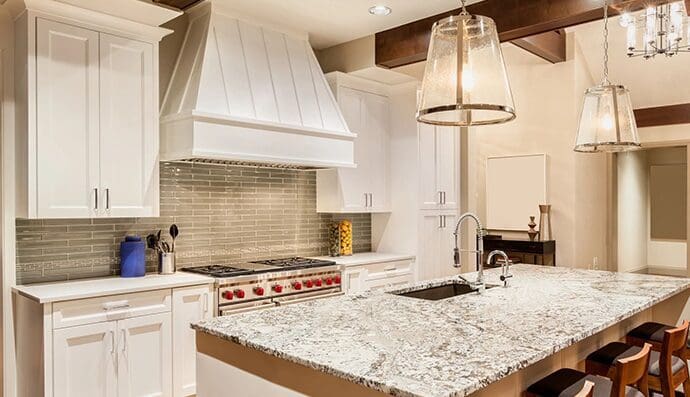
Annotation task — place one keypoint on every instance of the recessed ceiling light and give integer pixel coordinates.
(380, 10)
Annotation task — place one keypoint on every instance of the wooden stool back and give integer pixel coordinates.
(587, 390)
(674, 344)
(632, 371)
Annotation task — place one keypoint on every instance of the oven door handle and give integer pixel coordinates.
(290, 301)
(249, 307)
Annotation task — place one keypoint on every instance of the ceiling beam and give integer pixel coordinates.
(515, 19)
(663, 115)
(549, 46)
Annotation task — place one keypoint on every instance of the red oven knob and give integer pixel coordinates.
(297, 285)
(309, 283)
(228, 295)
(259, 291)
(337, 279)
(278, 288)
(239, 293)
(317, 282)
(329, 281)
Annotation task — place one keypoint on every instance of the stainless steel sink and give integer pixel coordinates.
(439, 292)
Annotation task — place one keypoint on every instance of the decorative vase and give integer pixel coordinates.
(532, 232)
(545, 222)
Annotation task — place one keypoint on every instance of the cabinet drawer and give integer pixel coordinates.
(396, 281)
(388, 269)
(107, 308)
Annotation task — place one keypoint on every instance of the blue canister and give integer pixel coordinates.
(132, 257)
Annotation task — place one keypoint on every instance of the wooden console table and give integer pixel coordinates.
(534, 252)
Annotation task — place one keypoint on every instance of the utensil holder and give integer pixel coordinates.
(166, 263)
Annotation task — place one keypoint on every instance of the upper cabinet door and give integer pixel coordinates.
(429, 195)
(145, 356)
(67, 121)
(448, 165)
(129, 129)
(377, 142)
(84, 361)
(351, 184)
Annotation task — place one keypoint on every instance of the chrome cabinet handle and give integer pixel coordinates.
(371, 199)
(112, 342)
(95, 201)
(205, 302)
(107, 198)
(440, 221)
(124, 340)
(443, 197)
(116, 305)
(440, 197)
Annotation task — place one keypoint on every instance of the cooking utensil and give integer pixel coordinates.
(151, 241)
(166, 247)
(174, 232)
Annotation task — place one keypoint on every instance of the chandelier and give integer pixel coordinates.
(657, 30)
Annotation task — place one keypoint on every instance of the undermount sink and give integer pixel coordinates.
(439, 292)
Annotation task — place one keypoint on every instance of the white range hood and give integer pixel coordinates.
(242, 93)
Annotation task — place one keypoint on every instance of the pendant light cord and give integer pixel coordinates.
(464, 10)
(606, 43)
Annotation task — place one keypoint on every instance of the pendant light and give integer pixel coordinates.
(607, 122)
(465, 81)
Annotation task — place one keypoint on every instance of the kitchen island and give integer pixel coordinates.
(495, 343)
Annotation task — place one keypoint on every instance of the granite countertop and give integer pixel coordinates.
(453, 347)
(367, 258)
(89, 288)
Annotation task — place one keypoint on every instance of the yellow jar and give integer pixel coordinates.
(345, 237)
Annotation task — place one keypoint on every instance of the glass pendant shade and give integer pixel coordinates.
(465, 81)
(607, 122)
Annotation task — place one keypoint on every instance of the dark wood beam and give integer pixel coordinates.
(663, 115)
(515, 19)
(181, 4)
(549, 45)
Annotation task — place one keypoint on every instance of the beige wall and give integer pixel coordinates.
(547, 99)
(169, 49)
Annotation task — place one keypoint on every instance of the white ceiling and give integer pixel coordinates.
(655, 82)
(331, 22)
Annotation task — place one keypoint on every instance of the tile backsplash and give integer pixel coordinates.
(224, 213)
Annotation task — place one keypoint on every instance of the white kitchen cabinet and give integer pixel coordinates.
(439, 166)
(85, 361)
(92, 150)
(354, 280)
(145, 356)
(190, 304)
(66, 151)
(365, 108)
(377, 275)
(436, 243)
(128, 138)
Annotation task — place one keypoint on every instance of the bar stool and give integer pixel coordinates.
(629, 371)
(652, 333)
(667, 369)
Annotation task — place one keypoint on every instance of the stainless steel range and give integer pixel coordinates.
(257, 285)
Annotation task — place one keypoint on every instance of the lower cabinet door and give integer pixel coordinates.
(190, 304)
(354, 280)
(145, 356)
(85, 360)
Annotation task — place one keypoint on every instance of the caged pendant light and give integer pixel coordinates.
(465, 81)
(607, 122)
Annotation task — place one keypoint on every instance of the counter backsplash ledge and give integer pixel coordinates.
(225, 214)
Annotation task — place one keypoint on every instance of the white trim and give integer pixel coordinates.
(222, 119)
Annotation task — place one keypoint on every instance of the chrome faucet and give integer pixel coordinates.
(479, 283)
(505, 266)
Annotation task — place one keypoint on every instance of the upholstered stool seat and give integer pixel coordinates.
(600, 361)
(568, 382)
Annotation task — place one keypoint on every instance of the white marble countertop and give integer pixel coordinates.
(89, 288)
(366, 258)
(452, 347)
